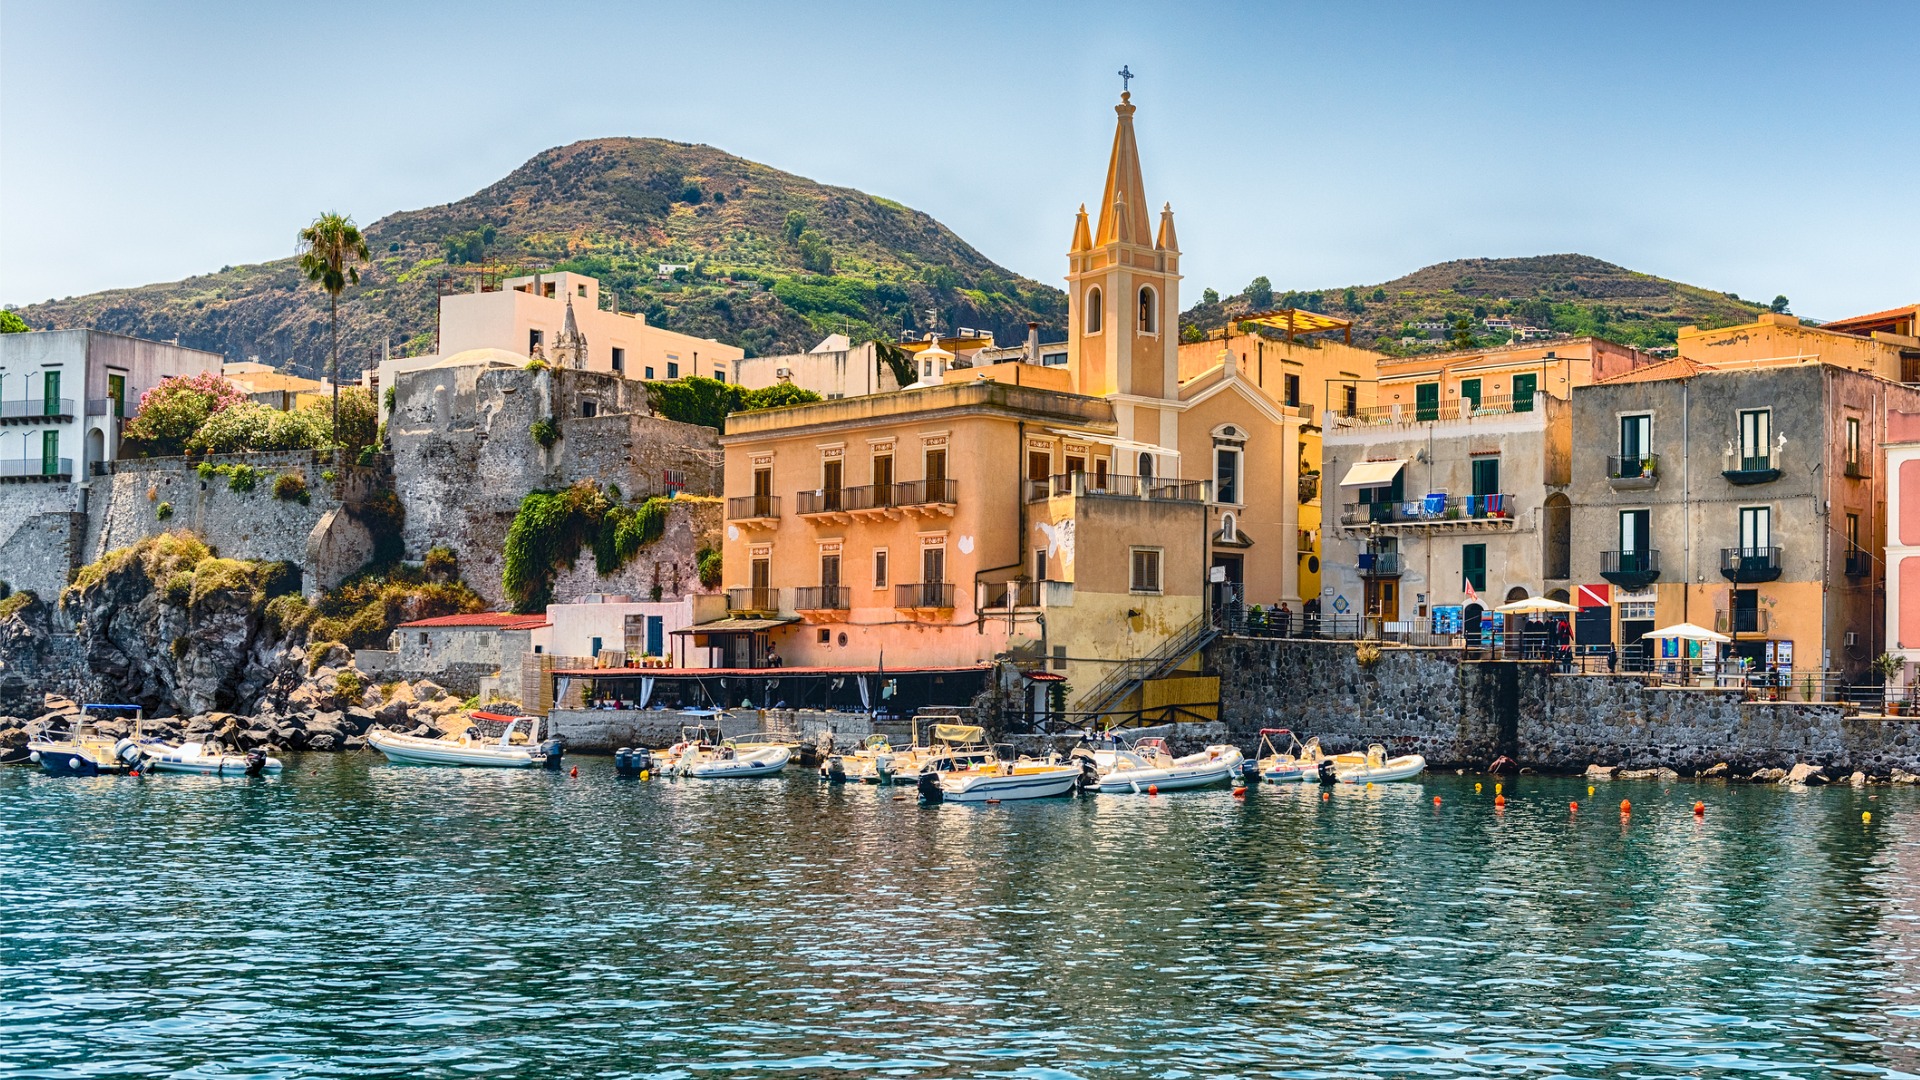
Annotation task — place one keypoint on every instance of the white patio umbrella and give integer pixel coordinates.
(1686, 631)
(1537, 605)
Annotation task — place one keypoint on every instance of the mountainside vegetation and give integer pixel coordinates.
(1571, 294)
(753, 256)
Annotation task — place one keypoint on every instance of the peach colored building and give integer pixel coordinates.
(1883, 344)
(1903, 539)
(1077, 519)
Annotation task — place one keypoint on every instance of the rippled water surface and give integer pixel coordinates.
(352, 918)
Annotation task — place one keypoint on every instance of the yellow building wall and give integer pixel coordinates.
(1781, 339)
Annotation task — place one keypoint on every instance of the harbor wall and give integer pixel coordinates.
(1465, 713)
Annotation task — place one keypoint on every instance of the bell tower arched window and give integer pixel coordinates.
(1149, 311)
(1096, 312)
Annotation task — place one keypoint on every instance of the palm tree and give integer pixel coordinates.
(330, 248)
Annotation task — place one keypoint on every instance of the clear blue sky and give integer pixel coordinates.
(1758, 148)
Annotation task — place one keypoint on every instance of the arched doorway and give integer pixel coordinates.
(1557, 529)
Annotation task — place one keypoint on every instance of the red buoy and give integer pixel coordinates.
(1239, 793)
(1499, 800)
(1626, 807)
(575, 773)
(1153, 789)
(1699, 809)
(1436, 800)
(1573, 807)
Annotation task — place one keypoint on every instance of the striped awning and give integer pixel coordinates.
(1372, 473)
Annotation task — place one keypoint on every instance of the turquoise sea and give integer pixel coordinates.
(355, 919)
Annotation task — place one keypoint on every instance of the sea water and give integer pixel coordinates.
(351, 918)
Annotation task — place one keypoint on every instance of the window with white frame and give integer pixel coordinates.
(1149, 311)
(1145, 577)
(1096, 313)
(1226, 474)
(880, 568)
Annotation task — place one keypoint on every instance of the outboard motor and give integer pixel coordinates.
(1250, 772)
(256, 761)
(1089, 774)
(930, 789)
(883, 768)
(552, 748)
(128, 752)
(630, 762)
(836, 770)
(1327, 775)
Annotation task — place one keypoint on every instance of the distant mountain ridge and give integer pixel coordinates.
(772, 263)
(1573, 294)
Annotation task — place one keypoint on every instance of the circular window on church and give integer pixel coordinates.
(1313, 564)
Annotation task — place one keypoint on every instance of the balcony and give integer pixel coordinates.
(1745, 565)
(1117, 486)
(36, 410)
(1436, 511)
(1631, 570)
(754, 511)
(1379, 564)
(1859, 563)
(51, 470)
(762, 601)
(1634, 472)
(924, 596)
(1309, 487)
(1856, 470)
(923, 498)
(1754, 470)
(1011, 595)
(1743, 621)
(822, 598)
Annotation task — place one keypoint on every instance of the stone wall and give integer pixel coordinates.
(1462, 713)
(464, 456)
(606, 730)
(40, 536)
(321, 536)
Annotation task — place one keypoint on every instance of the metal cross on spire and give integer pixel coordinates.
(1126, 78)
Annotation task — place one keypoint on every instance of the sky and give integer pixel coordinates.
(1754, 148)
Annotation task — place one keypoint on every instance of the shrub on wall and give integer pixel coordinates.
(710, 569)
(174, 409)
(250, 427)
(292, 487)
(545, 432)
(164, 511)
(551, 528)
(694, 400)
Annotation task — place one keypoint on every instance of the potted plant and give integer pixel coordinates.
(1890, 668)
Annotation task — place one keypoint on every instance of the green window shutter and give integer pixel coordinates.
(1470, 389)
(49, 453)
(1524, 387)
(1426, 401)
(1473, 565)
(50, 391)
(1486, 476)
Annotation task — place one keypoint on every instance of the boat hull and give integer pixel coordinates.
(1400, 768)
(68, 759)
(412, 750)
(1218, 769)
(225, 766)
(1047, 783)
(766, 762)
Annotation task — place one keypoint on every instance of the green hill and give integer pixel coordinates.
(773, 263)
(1574, 294)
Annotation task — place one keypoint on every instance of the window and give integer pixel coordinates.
(880, 568)
(1635, 531)
(1486, 475)
(1636, 434)
(1075, 464)
(1470, 391)
(1096, 316)
(1853, 442)
(117, 393)
(1039, 464)
(649, 373)
(1349, 400)
(1146, 570)
(759, 573)
(534, 340)
(719, 375)
(1100, 474)
(1039, 564)
(1226, 474)
(581, 290)
(1473, 565)
(1291, 385)
(1426, 401)
(1853, 533)
(673, 370)
(547, 289)
(50, 452)
(1756, 435)
(883, 479)
(1756, 530)
(824, 636)
(933, 565)
(620, 360)
(595, 649)
(831, 473)
(830, 571)
(936, 469)
(1146, 466)
(1524, 387)
(1149, 318)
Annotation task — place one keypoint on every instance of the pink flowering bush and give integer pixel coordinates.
(175, 409)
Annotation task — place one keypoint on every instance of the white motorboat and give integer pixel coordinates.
(701, 754)
(469, 749)
(1296, 762)
(1149, 765)
(205, 759)
(857, 764)
(81, 752)
(948, 778)
(1375, 767)
(961, 744)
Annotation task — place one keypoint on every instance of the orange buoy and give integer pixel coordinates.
(1499, 800)
(1436, 800)
(1153, 789)
(575, 773)
(1573, 807)
(1626, 807)
(1325, 795)
(1699, 809)
(1239, 793)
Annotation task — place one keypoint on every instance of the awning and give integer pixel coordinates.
(736, 626)
(1372, 473)
(1045, 676)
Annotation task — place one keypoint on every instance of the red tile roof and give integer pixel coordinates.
(1889, 315)
(1677, 368)
(480, 620)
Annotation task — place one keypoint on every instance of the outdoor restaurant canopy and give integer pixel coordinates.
(1537, 605)
(1686, 631)
(1372, 473)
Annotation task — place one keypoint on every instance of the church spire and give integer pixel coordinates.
(1123, 206)
(1166, 241)
(1082, 240)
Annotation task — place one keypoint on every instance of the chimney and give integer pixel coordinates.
(1033, 343)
